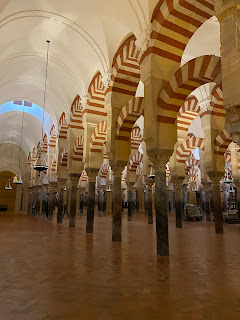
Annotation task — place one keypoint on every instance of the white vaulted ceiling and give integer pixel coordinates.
(84, 37)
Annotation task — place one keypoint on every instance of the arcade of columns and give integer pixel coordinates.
(102, 148)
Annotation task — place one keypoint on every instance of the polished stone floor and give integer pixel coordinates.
(53, 272)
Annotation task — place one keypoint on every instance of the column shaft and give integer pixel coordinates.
(60, 204)
(73, 204)
(217, 206)
(161, 213)
(51, 203)
(91, 204)
(117, 209)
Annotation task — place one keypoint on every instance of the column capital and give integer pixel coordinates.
(149, 182)
(177, 181)
(215, 176)
(206, 185)
(74, 177)
(118, 168)
(159, 158)
(130, 185)
(92, 174)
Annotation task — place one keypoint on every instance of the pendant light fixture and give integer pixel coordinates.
(8, 185)
(18, 178)
(41, 164)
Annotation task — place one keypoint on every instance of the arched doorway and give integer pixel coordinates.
(7, 197)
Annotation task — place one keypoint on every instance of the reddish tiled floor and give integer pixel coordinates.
(53, 272)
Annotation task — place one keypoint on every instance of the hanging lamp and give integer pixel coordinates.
(8, 185)
(41, 164)
(18, 178)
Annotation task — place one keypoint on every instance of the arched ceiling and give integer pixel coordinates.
(10, 126)
(84, 37)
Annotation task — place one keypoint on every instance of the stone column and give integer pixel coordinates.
(178, 200)
(44, 201)
(237, 197)
(109, 201)
(74, 180)
(228, 13)
(225, 198)
(51, 201)
(39, 198)
(217, 206)
(61, 187)
(30, 200)
(137, 199)
(207, 186)
(91, 200)
(82, 200)
(117, 203)
(160, 158)
(130, 199)
(18, 198)
(104, 199)
(100, 201)
(78, 199)
(150, 183)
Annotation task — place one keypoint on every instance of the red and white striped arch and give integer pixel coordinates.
(54, 163)
(173, 24)
(78, 149)
(45, 144)
(29, 158)
(34, 156)
(105, 156)
(63, 127)
(76, 114)
(126, 70)
(187, 146)
(98, 137)
(127, 118)
(64, 157)
(186, 79)
(84, 177)
(135, 161)
(217, 104)
(53, 137)
(104, 170)
(187, 113)
(96, 101)
(222, 142)
(136, 138)
(191, 162)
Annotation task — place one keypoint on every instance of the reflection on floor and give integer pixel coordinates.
(53, 272)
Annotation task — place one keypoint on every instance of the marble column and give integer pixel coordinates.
(18, 198)
(225, 197)
(44, 201)
(100, 201)
(82, 200)
(74, 180)
(160, 158)
(237, 197)
(117, 203)
(137, 199)
(51, 201)
(61, 187)
(217, 206)
(30, 200)
(38, 201)
(228, 14)
(104, 199)
(34, 202)
(207, 186)
(109, 201)
(178, 200)
(91, 200)
(150, 183)
(130, 199)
